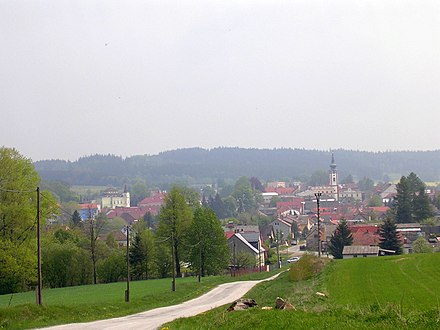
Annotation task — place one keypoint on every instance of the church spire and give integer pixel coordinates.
(333, 164)
(333, 173)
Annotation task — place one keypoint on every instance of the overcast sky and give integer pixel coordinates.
(140, 77)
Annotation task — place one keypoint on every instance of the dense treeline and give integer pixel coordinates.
(196, 165)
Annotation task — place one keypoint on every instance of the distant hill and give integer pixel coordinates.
(197, 165)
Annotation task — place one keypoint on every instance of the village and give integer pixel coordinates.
(293, 228)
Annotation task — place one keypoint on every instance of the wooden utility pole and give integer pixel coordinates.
(173, 284)
(200, 260)
(39, 281)
(318, 196)
(127, 291)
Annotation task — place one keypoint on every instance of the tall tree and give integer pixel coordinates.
(92, 229)
(366, 184)
(174, 219)
(256, 184)
(76, 219)
(422, 208)
(348, 179)
(138, 192)
(136, 257)
(149, 252)
(319, 178)
(389, 238)
(340, 238)
(414, 183)
(403, 201)
(411, 203)
(18, 183)
(243, 195)
(218, 206)
(206, 243)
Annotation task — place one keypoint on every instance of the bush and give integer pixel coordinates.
(305, 268)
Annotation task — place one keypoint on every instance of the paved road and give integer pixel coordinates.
(152, 319)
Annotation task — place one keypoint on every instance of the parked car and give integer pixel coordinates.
(293, 259)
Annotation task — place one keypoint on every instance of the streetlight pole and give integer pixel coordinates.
(318, 196)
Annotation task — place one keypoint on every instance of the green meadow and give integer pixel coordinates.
(364, 293)
(93, 302)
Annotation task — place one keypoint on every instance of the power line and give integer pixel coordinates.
(59, 206)
(18, 191)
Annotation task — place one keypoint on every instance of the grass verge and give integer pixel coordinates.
(360, 294)
(94, 302)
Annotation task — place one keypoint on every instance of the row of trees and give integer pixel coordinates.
(187, 236)
(186, 233)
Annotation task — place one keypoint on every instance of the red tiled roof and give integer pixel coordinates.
(157, 198)
(136, 212)
(281, 191)
(379, 209)
(88, 206)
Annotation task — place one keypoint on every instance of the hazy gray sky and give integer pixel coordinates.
(140, 77)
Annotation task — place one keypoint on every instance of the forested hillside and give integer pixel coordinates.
(196, 165)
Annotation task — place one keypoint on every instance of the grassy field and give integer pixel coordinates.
(408, 281)
(92, 302)
(365, 293)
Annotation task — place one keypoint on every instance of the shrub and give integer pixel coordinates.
(305, 268)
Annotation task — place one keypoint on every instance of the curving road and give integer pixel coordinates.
(152, 319)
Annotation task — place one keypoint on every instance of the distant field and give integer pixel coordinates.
(365, 293)
(85, 189)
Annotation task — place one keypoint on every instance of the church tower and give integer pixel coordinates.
(333, 177)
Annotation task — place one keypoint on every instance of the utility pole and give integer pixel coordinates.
(173, 284)
(39, 281)
(200, 260)
(127, 291)
(318, 196)
(278, 252)
(259, 255)
(235, 259)
(92, 242)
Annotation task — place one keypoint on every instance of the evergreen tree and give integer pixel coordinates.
(136, 257)
(366, 184)
(76, 218)
(218, 206)
(149, 220)
(411, 203)
(422, 209)
(389, 238)
(340, 238)
(414, 183)
(403, 201)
